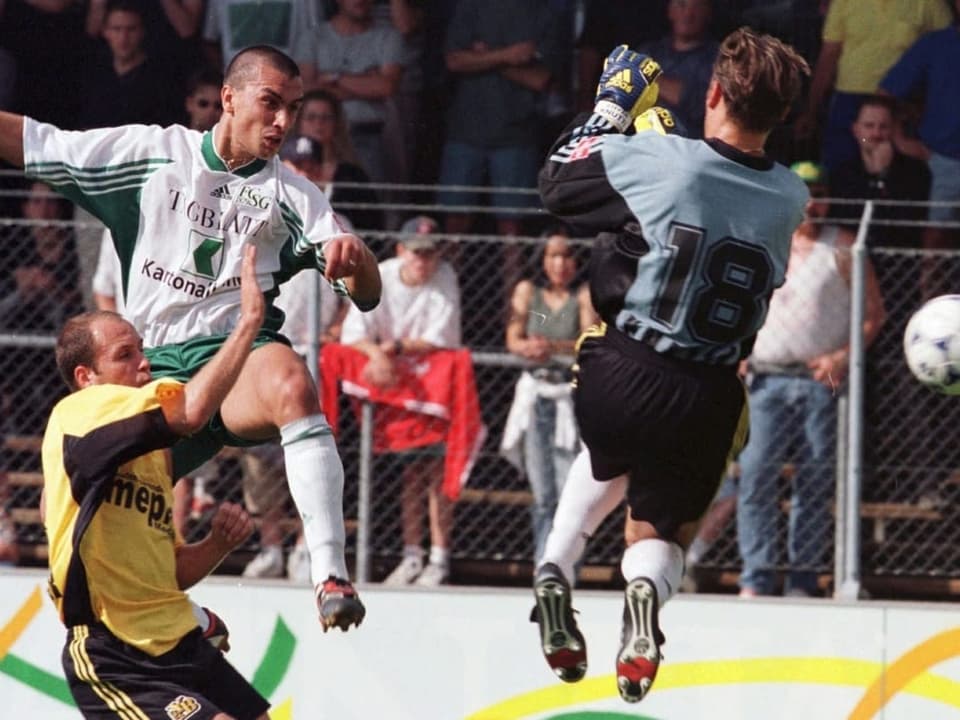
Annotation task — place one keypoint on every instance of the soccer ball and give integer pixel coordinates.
(931, 344)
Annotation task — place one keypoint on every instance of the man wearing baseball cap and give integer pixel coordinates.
(304, 155)
(419, 313)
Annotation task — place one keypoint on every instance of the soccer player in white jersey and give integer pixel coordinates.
(181, 205)
(693, 237)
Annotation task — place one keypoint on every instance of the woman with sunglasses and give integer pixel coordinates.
(322, 119)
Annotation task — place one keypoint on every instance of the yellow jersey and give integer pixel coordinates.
(109, 514)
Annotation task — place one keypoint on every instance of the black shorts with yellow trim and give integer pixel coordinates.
(670, 424)
(181, 361)
(111, 679)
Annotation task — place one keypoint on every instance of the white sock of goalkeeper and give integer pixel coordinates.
(659, 560)
(584, 504)
(315, 476)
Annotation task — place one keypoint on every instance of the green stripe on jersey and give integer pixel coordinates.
(294, 224)
(96, 181)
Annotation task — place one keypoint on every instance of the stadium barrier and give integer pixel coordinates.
(907, 469)
(471, 654)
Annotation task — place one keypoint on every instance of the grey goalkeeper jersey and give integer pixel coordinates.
(692, 236)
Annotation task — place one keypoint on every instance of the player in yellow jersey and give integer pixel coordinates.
(118, 568)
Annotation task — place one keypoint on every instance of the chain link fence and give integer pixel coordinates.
(909, 506)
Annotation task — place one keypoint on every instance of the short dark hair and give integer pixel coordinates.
(76, 345)
(132, 6)
(203, 77)
(881, 101)
(241, 68)
(320, 95)
(556, 227)
(760, 78)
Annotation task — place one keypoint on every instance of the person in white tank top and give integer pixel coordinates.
(794, 376)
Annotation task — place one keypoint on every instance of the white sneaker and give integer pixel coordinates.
(406, 572)
(433, 574)
(267, 564)
(298, 564)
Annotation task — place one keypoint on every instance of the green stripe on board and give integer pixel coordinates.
(37, 678)
(268, 676)
(595, 715)
(276, 660)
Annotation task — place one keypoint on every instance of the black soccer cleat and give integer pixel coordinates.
(561, 641)
(339, 604)
(640, 641)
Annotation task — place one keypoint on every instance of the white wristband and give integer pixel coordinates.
(613, 114)
(203, 619)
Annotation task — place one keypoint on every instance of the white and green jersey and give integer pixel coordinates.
(179, 220)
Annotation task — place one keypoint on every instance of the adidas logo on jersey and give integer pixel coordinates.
(222, 193)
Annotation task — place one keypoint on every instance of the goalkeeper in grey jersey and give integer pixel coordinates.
(692, 238)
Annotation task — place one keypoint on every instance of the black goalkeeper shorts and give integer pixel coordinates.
(671, 425)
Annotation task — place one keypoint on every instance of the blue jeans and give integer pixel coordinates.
(786, 412)
(547, 467)
(945, 187)
(470, 165)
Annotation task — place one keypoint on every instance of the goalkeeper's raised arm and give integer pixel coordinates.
(627, 87)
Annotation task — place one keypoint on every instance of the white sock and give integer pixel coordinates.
(315, 476)
(698, 548)
(413, 551)
(584, 504)
(439, 556)
(659, 560)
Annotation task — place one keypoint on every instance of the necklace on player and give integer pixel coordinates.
(235, 163)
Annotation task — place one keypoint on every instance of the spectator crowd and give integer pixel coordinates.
(414, 104)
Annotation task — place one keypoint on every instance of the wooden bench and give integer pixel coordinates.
(18, 478)
(23, 443)
(880, 513)
(496, 497)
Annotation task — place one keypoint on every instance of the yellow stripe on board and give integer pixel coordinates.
(789, 670)
(283, 711)
(906, 673)
(18, 623)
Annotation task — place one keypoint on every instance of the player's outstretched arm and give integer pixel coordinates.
(230, 527)
(11, 138)
(348, 258)
(207, 389)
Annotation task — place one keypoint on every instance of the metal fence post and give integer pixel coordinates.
(842, 501)
(313, 328)
(366, 479)
(849, 586)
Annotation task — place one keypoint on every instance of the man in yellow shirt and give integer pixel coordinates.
(118, 567)
(862, 39)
